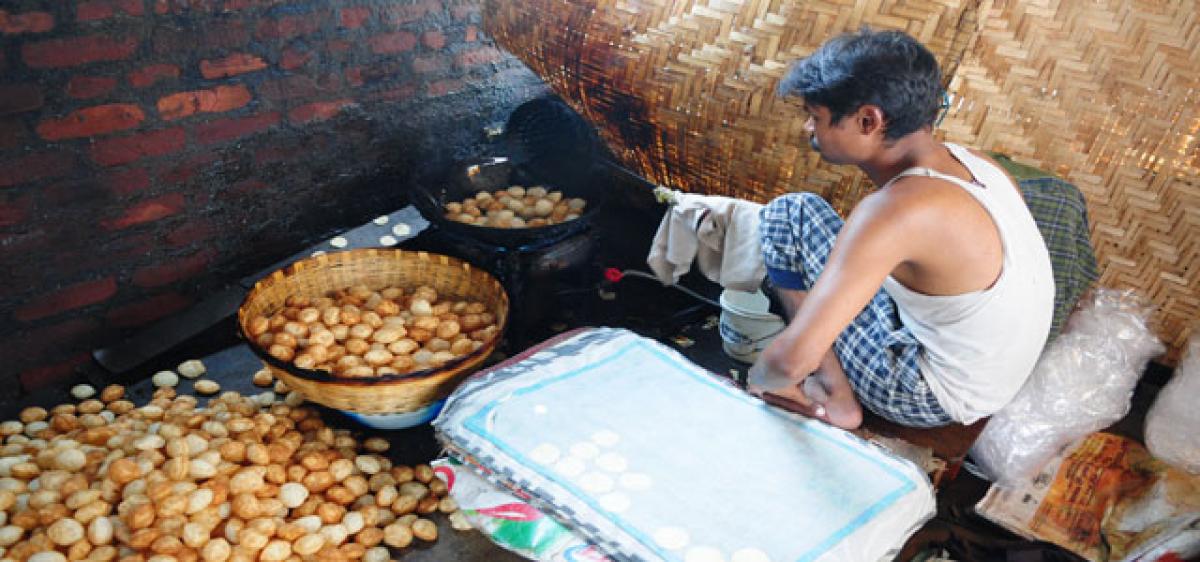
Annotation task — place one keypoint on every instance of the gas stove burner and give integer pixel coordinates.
(511, 265)
(534, 275)
(532, 246)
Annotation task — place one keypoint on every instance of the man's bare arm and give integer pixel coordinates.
(871, 244)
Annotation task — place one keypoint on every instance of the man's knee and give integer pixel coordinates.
(794, 205)
(796, 232)
(805, 214)
(790, 212)
(815, 209)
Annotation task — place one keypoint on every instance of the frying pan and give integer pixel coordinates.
(490, 174)
(546, 143)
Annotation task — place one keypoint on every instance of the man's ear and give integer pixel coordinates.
(869, 119)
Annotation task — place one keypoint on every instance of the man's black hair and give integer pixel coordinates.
(888, 69)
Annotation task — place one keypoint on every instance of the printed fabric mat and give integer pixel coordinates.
(650, 457)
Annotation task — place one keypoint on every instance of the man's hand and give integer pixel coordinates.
(805, 396)
(765, 379)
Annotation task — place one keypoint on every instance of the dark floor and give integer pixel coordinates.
(570, 298)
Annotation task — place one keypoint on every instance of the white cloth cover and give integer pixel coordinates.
(718, 234)
(650, 457)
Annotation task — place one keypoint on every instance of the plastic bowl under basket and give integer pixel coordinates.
(376, 268)
(403, 420)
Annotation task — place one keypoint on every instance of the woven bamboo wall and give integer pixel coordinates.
(683, 91)
(1106, 94)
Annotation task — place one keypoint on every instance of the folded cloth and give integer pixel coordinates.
(649, 457)
(1060, 212)
(719, 234)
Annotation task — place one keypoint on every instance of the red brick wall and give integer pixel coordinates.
(152, 151)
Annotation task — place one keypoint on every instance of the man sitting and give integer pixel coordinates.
(931, 302)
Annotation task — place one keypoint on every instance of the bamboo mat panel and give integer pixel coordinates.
(1107, 95)
(683, 92)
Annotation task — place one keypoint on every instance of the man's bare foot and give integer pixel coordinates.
(818, 397)
(792, 399)
(841, 407)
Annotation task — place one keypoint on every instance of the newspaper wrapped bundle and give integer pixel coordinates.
(1105, 498)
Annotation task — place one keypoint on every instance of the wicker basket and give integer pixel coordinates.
(375, 268)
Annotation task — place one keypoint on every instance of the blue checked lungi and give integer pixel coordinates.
(877, 352)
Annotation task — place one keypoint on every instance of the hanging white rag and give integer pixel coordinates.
(719, 234)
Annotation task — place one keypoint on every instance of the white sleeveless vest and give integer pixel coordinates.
(979, 347)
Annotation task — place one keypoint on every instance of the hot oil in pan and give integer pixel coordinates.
(515, 207)
(468, 179)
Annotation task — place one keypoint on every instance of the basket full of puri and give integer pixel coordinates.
(374, 331)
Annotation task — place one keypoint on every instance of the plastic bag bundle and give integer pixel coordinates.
(1082, 383)
(1172, 421)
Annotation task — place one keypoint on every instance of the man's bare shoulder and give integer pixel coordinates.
(915, 215)
(909, 198)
